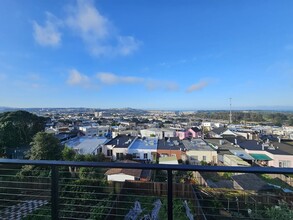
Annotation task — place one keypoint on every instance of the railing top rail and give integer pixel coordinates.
(150, 166)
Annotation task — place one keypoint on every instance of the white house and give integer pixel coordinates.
(100, 131)
(117, 147)
(158, 132)
(144, 148)
(86, 145)
(122, 175)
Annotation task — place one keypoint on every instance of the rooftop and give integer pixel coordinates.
(221, 144)
(121, 141)
(172, 143)
(237, 160)
(250, 181)
(259, 146)
(86, 145)
(197, 144)
(242, 154)
(150, 143)
(159, 129)
(219, 130)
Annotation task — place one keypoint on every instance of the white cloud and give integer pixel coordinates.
(48, 34)
(127, 44)
(152, 85)
(149, 84)
(97, 32)
(76, 78)
(171, 86)
(110, 79)
(86, 19)
(197, 86)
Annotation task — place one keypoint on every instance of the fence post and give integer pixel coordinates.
(170, 195)
(54, 192)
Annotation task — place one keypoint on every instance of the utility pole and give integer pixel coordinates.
(230, 118)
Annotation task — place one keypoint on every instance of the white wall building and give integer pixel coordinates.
(100, 131)
(117, 148)
(144, 149)
(158, 132)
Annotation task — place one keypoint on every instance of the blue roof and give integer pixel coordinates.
(147, 143)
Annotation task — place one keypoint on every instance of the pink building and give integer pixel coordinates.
(193, 132)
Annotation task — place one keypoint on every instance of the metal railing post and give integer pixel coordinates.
(55, 193)
(170, 195)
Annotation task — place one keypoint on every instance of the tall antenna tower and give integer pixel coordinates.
(230, 118)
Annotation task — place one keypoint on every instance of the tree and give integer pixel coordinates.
(68, 154)
(18, 128)
(45, 147)
(290, 122)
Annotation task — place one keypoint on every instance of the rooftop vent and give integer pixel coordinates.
(271, 147)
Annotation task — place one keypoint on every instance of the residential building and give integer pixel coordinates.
(171, 147)
(198, 150)
(221, 132)
(100, 131)
(86, 145)
(232, 160)
(269, 154)
(193, 132)
(117, 148)
(168, 160)
(122, 174)
(158, 132)
(144, 149)
(224, 147)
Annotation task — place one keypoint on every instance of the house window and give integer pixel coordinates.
(194, 158)
(284, 163)
(135, 156)
(119, 156)
(109, 153)
(145, 156)
(204, 158)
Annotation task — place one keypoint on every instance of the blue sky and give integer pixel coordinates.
(146, 54)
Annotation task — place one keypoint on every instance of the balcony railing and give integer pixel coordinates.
(80, 190)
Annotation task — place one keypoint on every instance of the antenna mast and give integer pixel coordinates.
(230, 116)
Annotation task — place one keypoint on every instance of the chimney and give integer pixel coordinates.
(235, 141)
(117, 142)
(279, 139)
(221, 142)
(262, 147)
